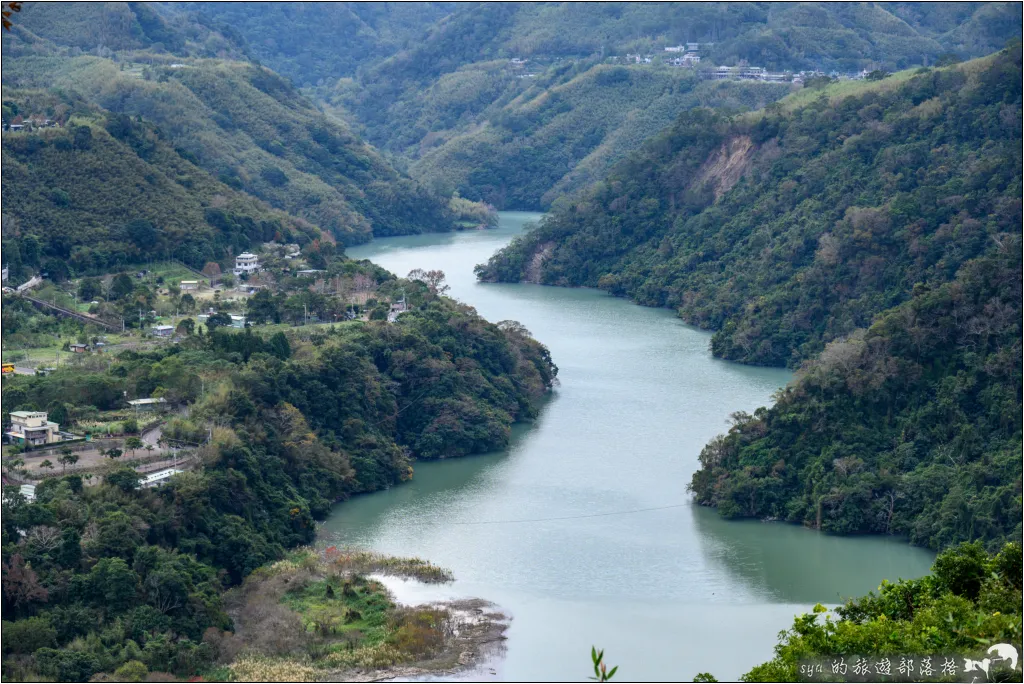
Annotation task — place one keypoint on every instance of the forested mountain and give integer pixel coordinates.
(795, 226)
(98, 576)
(240, 122)
(310, 42)
(106, 189)
(911, 427)
(875, 230)
(568, 129)
(448, 99)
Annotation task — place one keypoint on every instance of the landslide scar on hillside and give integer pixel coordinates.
(723, 169)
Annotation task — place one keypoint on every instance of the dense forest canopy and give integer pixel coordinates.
(787, 229)
(96, 577)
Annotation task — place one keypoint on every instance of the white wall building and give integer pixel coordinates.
(246, 262)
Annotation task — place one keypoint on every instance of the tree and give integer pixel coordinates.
(261, 308)
(48, 464)
(186, 327)
(130, 425)
(279, 346)
(66, 458)
(434, 279)
(212, 270)
(121, 286)
(133, 443)
(132, 671)
(113, 453)
(217, 320)
(125, 479)
(89, 289)
(20, 583)
(187, 304)
(142, 233)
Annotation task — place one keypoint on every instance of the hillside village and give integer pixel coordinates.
(93, 318)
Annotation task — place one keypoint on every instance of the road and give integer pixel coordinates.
(152, 435)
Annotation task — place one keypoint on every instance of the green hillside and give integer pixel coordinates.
(556, 137)
(105, 190)
(785, 230)
(873, 234)
(312, 41)
(450, 102)
(239, 121)
(911, 427)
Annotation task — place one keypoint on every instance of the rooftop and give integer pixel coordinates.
(147, 401)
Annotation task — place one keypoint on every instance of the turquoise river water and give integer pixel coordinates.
(667, 593)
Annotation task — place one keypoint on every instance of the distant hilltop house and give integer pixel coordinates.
(147, 403)
(237, 321)
(518, 61)
(639, 59)
(690, 59)
(689, 47)
(79, 348)
(246, 262)
(6, 272)
(745, 73)
(29, 124)
(33, 428)
(396, 309)
(163, 330)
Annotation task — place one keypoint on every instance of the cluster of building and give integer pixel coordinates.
(745, 73)
(30, 124)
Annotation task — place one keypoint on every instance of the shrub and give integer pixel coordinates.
(132, 671)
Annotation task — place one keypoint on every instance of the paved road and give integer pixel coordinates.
(152, 435)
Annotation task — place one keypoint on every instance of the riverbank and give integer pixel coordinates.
(328, 616)
(543, 529)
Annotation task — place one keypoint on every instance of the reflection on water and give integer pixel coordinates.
(801, 565)
(670, 591)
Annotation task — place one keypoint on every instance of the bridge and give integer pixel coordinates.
(61, 311)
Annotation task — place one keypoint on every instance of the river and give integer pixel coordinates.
(668, 592)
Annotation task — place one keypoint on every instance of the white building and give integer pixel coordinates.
(246, 262)
(155, 479)
(163, 330)
(188, 285)
(28, 491)
(147, 404)
(33, 427)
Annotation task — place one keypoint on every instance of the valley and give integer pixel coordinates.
(454, 341)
